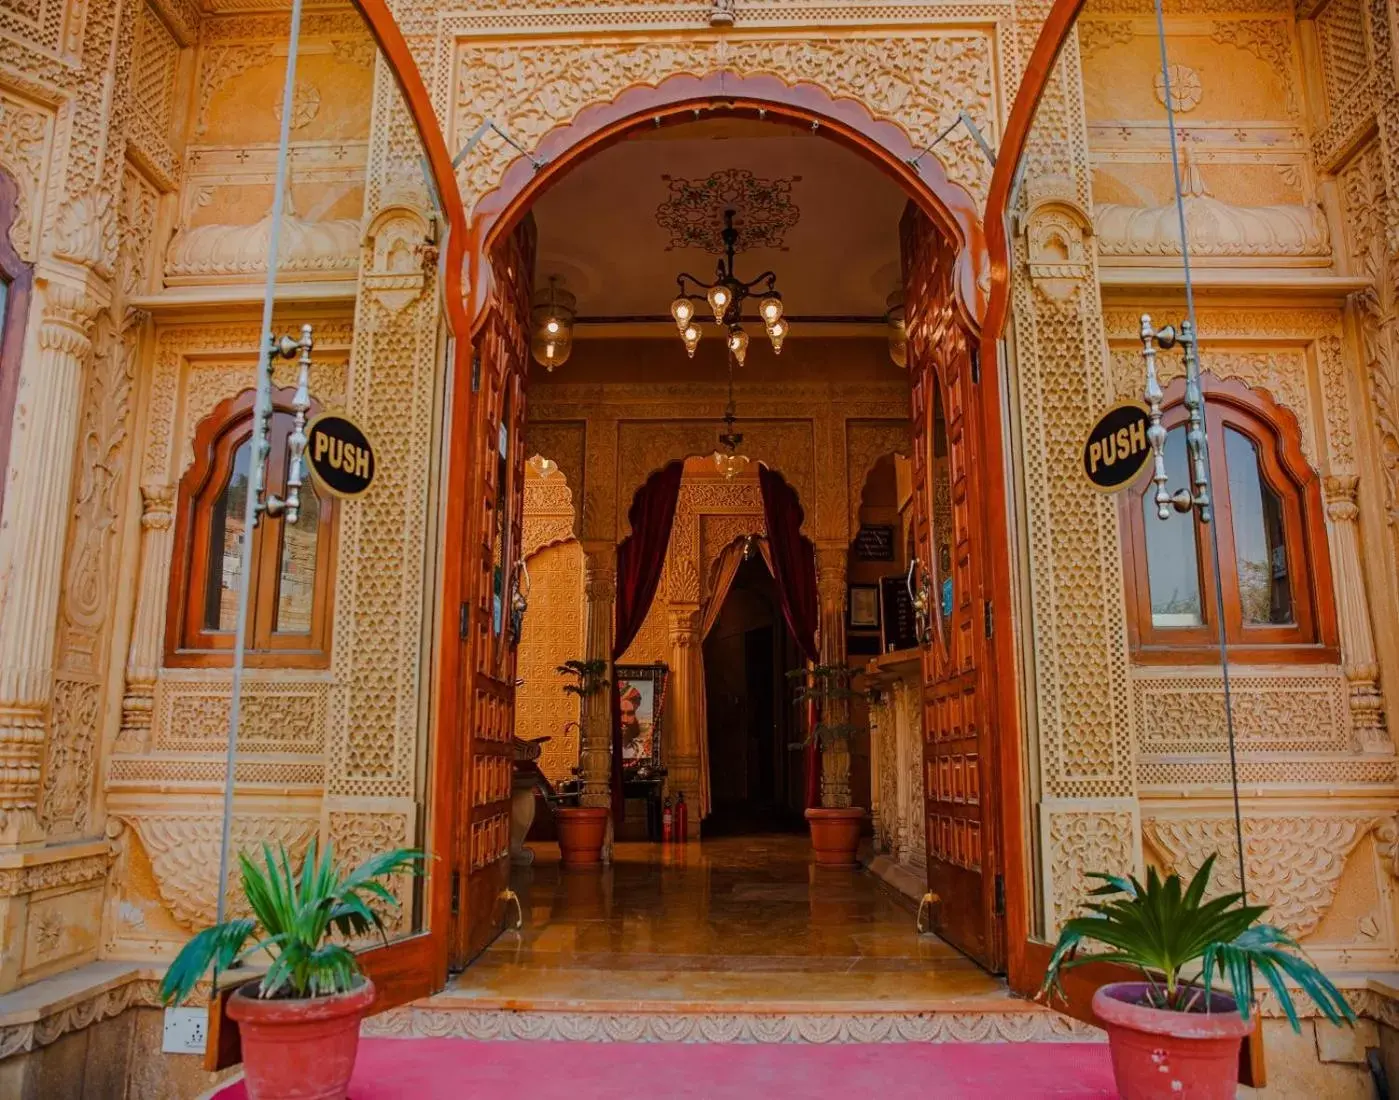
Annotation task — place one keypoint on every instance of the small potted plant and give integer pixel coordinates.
(299, 1023)
(835, 830)
(1171, 1035)
(582, 829)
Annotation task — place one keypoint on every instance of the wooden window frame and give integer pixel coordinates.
(1312, 638)
(19, 278)
(188, 643)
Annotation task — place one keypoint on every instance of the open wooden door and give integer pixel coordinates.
(958, 758)
(490, 627)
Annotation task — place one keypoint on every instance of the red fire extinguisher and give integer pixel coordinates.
(682, 819)
(667, 821)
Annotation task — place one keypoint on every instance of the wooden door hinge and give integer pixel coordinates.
(463, 620)
(988, 611)
(456, 892)
(1000, 895)
(976, 365)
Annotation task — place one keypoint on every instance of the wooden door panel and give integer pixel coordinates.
(481, 864)
(949, 533)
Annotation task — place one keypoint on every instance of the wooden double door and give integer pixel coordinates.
(964, 851)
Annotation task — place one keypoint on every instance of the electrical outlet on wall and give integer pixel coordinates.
(186, 1030)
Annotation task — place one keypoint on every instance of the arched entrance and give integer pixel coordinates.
(970, 774)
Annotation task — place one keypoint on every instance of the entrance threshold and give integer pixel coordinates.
(730, 940)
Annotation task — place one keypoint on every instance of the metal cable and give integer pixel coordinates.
(1213, 525)
(261, 403)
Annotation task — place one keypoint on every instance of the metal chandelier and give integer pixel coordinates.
(725, 296)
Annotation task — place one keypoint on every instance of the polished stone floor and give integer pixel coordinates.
(714, 925)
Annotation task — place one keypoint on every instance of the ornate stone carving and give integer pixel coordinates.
(1056, 238)
(1216, 229)
(24, 144)
(306, 249)
(1078, 842)
(184, 855)
(1293, 863)
(918, 79)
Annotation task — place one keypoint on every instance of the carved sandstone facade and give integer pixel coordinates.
(141, 135)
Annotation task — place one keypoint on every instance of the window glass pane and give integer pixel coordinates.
(1260, 547)
(4, 306)
(1172, 557)
(296, 576)
(226, 546)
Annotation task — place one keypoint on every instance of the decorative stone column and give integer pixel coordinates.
(831, 559)
(684, 692)
(31, 551)
(599, 608)
(1353, 615)
(143, 660)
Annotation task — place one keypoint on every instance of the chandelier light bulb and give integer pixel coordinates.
(738, 344)
(719, 302)
(691, 336)
(777, 332)
(682, 309)
(551, 326)
(771, 309)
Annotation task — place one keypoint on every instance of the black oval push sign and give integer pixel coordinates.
(1116, 448)
(339, 454)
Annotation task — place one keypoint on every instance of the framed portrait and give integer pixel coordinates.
(640, 706)
(864, 607)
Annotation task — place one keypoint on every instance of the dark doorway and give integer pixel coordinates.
(754, 771)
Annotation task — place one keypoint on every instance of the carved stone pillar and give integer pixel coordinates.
(1353, 615)
(831, 561)
(684, 692)
(143, 660)
(595, 740)
(31, 551)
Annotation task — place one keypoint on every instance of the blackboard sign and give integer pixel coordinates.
(898, 627)
(875, 543)
(1116, 448)
(340, 455)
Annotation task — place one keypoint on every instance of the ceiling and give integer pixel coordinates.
(619, 227)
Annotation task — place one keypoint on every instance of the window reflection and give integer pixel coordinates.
(502, 512)
(296, 579)
(1260, 547)
(1172, 550)
(226, 546)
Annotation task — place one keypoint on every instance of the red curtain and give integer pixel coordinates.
(794, 576)
(640, 562)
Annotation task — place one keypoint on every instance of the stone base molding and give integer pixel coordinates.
(1018, 1023)
(50, 909)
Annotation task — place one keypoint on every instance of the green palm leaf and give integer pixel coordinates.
(300, 913)
(1163, 927)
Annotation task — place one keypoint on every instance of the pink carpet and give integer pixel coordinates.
(420, 1069)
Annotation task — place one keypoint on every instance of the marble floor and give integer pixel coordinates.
(709, 927)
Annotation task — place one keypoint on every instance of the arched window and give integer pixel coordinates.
(15, 280)
(291, 590)
(1274, 592)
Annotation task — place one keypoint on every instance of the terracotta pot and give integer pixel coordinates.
(299, 1049)
(835, 834)
(1169, 1055)
(582, 830)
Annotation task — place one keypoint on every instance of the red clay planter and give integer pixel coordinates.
(300, 1048)
(835, 835)
(582, 830)
(1161, 1055)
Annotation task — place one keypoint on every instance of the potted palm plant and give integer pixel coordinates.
(299, 1023)
(582, 829)
(835, 830)
(1175, 1033)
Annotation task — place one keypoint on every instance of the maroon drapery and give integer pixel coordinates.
(640, 562)
(794, 577)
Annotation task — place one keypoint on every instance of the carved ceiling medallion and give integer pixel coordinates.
(693, 212)
(1186, 90)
